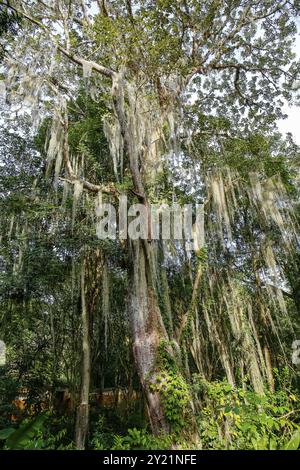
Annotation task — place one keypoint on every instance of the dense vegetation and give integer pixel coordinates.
(148, 344)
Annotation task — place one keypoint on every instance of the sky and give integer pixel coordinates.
(292, 123)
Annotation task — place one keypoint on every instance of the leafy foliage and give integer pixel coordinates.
(241, 419)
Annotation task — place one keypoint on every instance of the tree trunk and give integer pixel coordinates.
(82, 418)
(147, 328)
(269, 369)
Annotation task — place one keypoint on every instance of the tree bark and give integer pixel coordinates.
(82, 418)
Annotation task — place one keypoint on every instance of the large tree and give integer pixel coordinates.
(149, 61)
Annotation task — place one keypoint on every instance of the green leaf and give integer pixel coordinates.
(21, 436)
(5, 433)
(294, 442)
